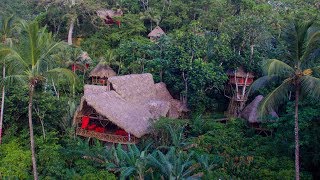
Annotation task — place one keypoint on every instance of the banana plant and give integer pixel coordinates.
(174, 164)
(129, 163)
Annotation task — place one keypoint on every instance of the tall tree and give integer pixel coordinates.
(3, 53)
(32, 63)
(72, 10)
(297, 74)
(7, 27)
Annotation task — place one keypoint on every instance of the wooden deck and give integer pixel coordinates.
(107, 137)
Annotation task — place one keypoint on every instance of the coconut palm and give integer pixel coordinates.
(3, 53)
(7, 26)
(32, 63)
(296, 75)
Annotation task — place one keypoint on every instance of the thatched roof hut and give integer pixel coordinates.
(250, 112)
(132, 104)
(156, 33)
(102, 70)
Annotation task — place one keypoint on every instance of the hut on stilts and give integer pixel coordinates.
(124, 112)
(239, 81)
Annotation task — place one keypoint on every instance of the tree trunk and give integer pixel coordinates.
(251, 52)
(141, 176)
(296, 135)
(185, 79)
(2, 104)
(71, 31)
(33, 154)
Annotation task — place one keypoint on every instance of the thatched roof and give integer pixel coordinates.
(84, 58)
(133, 104)
(134, 87)
(102, 70)
(239, 73)
(176, 106)
(250, 112)
(103, 13)
(156, 32)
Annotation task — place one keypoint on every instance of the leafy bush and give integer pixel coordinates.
(15, 160)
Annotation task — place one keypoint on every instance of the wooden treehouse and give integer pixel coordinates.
(124, 111)
(239, 81)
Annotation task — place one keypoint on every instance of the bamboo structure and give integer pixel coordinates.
(107, 137)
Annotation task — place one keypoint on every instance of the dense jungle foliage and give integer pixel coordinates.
(204, 39)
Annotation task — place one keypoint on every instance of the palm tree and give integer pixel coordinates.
(303, 39)
(32, 62)
(3, 53)
(7, 26)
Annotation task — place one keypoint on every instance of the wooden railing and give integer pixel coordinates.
(107, 137)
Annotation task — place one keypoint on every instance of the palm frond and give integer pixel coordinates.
(276, 67)
(7, 24)
(295, 36)
(4, 52)
(21, 79)
(310, 86)
(276, 97)
(57, 73)
(312, 43)
(262, 82)
(316, 69)
(15, 56)
(33, 29)
(126, 172)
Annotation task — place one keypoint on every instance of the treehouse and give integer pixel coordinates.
(239, 80)
(100, 75)
(107, 15)
(124, 113)
(156, 33)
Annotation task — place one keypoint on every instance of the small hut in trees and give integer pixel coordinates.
(107, 15)
(251, 114)
(125, 113)
(101, 73)
(239, 80)
(156, 33)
